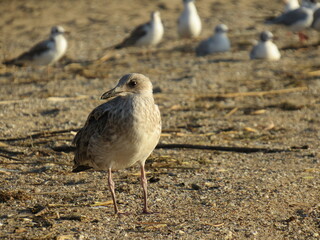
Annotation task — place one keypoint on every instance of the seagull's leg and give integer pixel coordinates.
(111, 186)
(144, 183)
(302, 37)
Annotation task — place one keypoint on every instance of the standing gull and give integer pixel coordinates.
(121, 132)
(44, 53)
(148, 34)
(296, 20)
(189, 23)
(265, 48)
(219, 42)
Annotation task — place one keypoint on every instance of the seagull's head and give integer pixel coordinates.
(132, 83)
(221, 28)
(266, 36)
(56, 30)
(155, 14)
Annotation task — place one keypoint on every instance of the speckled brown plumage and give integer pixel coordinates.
(121, 132)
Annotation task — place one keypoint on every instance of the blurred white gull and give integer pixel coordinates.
(219, 42)
(44, 53)
(189, 23)
(147, 34)
(265, 48)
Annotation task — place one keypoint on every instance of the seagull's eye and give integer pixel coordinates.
(132, 83)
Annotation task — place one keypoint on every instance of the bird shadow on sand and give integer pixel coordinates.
(219, 60)
(226, 60)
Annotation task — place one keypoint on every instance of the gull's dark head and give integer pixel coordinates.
(132, 83)
(56, 30)
(266, 36)
(221, 28)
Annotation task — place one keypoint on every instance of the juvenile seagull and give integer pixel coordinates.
(121, 132)
(44, 53)
(219, 42)
(265, 48)
(296, 20)
(189, 23)
(148, 34)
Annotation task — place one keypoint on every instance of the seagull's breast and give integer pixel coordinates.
(266, 50)
(61, 46)
(220, 43)
(189, 23)
(131, 138)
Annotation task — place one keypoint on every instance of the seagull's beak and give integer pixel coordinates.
(111, 93)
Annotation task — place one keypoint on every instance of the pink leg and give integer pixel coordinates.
(111, 186)
(302, 37)
(144, 188)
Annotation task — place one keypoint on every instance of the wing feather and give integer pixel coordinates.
(136, 34)
(36, 50)
(94, 127)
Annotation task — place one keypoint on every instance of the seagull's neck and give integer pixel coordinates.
(56, 37)
(189, 7)
(60, 42)
(145, 94)
(156, 20)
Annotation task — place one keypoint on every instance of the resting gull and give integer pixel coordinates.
(296, 20)
(265, 48)
(121, 132)
(219, 42)
(44, 53)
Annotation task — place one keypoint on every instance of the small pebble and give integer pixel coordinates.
(195, 186)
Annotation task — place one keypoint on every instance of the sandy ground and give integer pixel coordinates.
(195, 193)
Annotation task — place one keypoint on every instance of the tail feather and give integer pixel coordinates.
(12, 62)
(269, 20)
(120, 45)
(9, 62)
